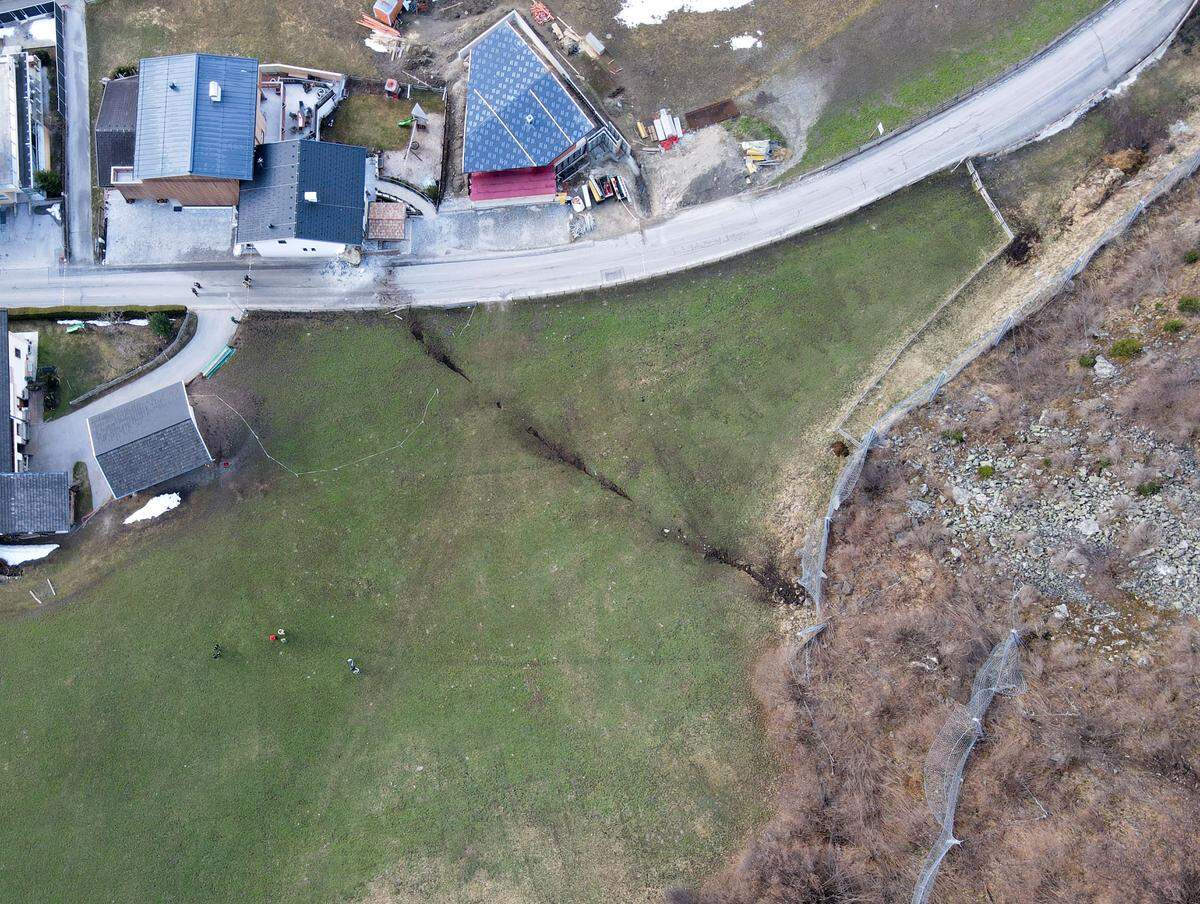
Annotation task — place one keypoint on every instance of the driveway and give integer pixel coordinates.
(146, 232)
(1048, 89)
(29, 239)
(56, 445)
(78, 144)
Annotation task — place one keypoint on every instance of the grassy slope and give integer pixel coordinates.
(317, 33)
(692, 401)
(571, 682)
(843, 127)
(573, 689)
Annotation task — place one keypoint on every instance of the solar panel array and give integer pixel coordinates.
(518, 113)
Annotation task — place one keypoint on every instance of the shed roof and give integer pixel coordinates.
(35, 503)
(518, 112)
(182, 131)
(385, 220)
(116, 127)
(274, 206)
(147, 441)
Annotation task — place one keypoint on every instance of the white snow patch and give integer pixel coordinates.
(159, 505)
(651, 12)
(18, 555)
(745, 42)
(41, 31)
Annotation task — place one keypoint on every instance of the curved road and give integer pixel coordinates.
(1045, 90)
(56, 445)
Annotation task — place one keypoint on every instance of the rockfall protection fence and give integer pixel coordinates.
(816, 546)
(812, 556)
(947, 758)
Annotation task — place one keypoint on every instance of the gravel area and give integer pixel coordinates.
(146, 232)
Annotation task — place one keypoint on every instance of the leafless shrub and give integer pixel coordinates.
(1166, 398)
(1141, 537)
(1066, 459)
(1069, 559)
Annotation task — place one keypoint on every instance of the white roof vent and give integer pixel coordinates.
(310, 196)
(214, 91)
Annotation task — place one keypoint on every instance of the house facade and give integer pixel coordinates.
(197, 124)
(24, 136)
(307, 199)
(32, 503)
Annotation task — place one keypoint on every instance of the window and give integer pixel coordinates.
(16, 353)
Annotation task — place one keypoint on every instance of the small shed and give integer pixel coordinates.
(593, 46)
(387, 11)
(385, 221)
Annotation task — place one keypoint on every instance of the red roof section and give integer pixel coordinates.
(519, 183)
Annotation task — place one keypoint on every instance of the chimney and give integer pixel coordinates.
(310, 196)
(173, 86)
(214, 91)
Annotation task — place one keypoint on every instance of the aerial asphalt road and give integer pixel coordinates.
(1044, 91)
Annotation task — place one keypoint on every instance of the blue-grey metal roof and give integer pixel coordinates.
(181, 131)
(273, 206)
(147, 441)
(35, 503)
(518, 113)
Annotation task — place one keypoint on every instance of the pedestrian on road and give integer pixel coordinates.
(246, 280)
(197, 285)
(194, 292)
(354, 669)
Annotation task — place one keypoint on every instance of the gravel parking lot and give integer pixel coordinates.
(29, 239)
(145, 232)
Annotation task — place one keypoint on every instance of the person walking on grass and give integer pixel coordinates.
(217, 651)
(354, 669)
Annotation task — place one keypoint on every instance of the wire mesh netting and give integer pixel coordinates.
(812, 555)
(947, 757)
(1001, 672)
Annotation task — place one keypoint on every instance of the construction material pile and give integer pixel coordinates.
(763, 153)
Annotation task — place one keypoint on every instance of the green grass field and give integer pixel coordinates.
(691, 393)
(88, 358)
(554, 704)
(372, 120)
(843, 127)
(306, 33)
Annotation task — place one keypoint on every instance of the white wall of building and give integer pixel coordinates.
(22, 367)
(291, 248)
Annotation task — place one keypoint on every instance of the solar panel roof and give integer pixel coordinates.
(518, 113)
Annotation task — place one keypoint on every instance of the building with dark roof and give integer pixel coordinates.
(526, 124)
(116, 128)
(145, 442)
(31, 503)
(197, 125)
(34, 503)
(307, 199)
